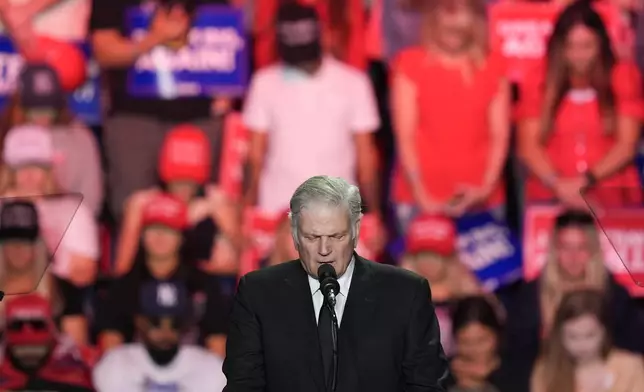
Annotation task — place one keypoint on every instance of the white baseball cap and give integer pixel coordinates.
(27, 145)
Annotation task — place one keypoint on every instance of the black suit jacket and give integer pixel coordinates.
(388, 340)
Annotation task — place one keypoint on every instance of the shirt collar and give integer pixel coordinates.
(344, 281)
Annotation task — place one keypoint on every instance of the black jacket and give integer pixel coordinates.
(388, 340)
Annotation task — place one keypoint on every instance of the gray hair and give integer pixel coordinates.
(333, 191)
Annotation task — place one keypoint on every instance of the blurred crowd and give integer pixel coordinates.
(121, 242)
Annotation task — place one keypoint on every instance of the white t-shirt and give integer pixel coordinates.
(130, 368)
(67, 20)
(311, 122)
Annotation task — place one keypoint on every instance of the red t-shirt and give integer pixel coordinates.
(265, 46)
(453, 138)
(578, 140)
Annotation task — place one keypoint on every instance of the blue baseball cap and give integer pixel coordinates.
(164, 299)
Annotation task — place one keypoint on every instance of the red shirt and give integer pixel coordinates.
(265, 47)
(578, 140)
(453, 138)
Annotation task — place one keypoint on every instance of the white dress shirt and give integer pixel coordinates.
(340, 299)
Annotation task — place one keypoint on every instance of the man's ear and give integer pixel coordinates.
(357, 231)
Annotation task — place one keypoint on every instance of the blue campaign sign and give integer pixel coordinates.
(84, 102)
(214, 60)
(489, 248)
(639, 160)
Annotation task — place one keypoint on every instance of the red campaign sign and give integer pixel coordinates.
(233, 155)
(622, 238)
(520, 31)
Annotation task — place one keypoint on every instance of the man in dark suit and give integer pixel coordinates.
(388, 338)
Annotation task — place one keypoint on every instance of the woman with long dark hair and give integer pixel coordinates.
(580, 117)
(477, 325)
(574, 261)
(579, 356)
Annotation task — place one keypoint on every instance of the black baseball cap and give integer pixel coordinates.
(298, 34)
(19, 220)
(40, 88)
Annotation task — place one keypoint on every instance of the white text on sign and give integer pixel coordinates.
(483, 246)
(208, 49)
(523, 38)
(10, 66)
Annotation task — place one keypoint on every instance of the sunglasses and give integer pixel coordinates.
(19, 325)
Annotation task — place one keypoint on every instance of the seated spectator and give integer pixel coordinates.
(461, 170)
(579, 357)
(477, 330)
(333, 132)
(160, 361)
(284, 248)
(164, 218)
(213, 233)
(575, 260)
(343, 29)
(431, 253)
(35, 359)
(24, 260)
(580, 117)
(71, 231)
(40, 100)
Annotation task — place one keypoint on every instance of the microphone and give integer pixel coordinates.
(328, 283)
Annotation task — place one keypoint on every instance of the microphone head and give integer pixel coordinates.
(326, 271)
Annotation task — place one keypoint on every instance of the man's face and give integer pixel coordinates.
(161, 333)
(324, 234)
(29, 341)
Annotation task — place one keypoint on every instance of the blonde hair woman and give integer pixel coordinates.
(574, 262)
(23, 263)
(27, 173)
(579, 356)
(436, 132)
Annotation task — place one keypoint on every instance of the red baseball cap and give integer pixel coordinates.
(185, 155)
(29, 320)
(432, 234)
(166, 210)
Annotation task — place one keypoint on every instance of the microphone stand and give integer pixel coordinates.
(334, 339)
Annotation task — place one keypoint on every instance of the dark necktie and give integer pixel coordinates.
(326, 340)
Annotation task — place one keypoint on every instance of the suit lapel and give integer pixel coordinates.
(358, 311)
(298, 293)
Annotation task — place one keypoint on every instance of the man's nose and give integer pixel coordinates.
(324, 248)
